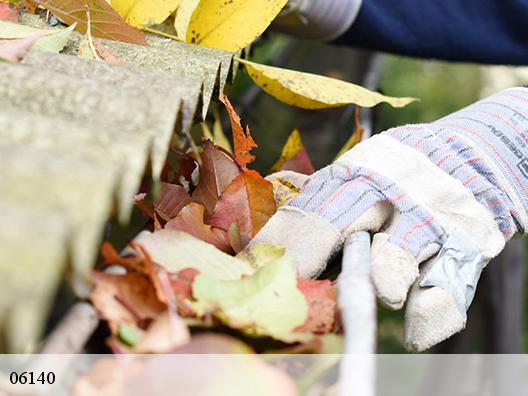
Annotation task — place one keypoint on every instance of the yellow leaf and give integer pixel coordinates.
(310, 91)
(231, 25)
(141, 13)
(183, 17)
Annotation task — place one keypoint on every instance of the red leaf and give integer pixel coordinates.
(8, 13)
(15, 50)
(106, 55)
(217, 171)
(171, 200)
(248, 200)
(321, 299)
(243, 142)
(191, 220)
(105, 21)
(299, 163)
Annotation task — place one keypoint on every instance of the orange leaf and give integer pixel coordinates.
(248, 200)
(217, 171)
(105, 21)
(191, 220)
(321, 299)
(243, 142)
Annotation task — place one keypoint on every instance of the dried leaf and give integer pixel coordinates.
(231, 25)
(106, 55)
(310, 91)
(129, 299)
(14, 51)
(50, 40)
(8, 13)
(105, 21)
(191, 220)
(242, 140)
(183, 17)
(248, 200)
(142, 13)
(321, 299)
(284, 191)
(172, 199)
(294, 156)
(266, 303)
(217, 171)
(176, 250)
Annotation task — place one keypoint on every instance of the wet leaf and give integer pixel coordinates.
(231, 25)
(310, 91)
(248, 200)
(294, 156)
(191, 220)
(141, 13)
(217, 171)
(125, 299)
(266, 303)
(105, 21)
(176, 250)
(321, 299)
(243, 142)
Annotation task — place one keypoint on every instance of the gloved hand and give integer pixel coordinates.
(446, 195)
(322, 20)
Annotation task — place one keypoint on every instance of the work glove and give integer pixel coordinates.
(322, 20)
(441, 200)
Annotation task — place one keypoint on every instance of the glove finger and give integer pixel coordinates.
(431, 315)
(412, 237)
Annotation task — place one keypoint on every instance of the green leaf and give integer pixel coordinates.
(266, 303)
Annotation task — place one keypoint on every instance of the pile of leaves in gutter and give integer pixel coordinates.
(193, 272)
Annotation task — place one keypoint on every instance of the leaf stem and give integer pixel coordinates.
(89, 33)
(160, 33)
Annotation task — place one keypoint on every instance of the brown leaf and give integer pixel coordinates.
(15, 50)
(129, 298)
(321, 299)
(243, 142)
(8, 13)
(191, 220)
(217, 171)
(248, 200)
(178, 285)
(105, 21)
(171, 200)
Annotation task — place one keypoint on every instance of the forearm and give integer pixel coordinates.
(484, 31)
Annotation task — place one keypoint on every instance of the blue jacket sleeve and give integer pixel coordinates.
(484, 31)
